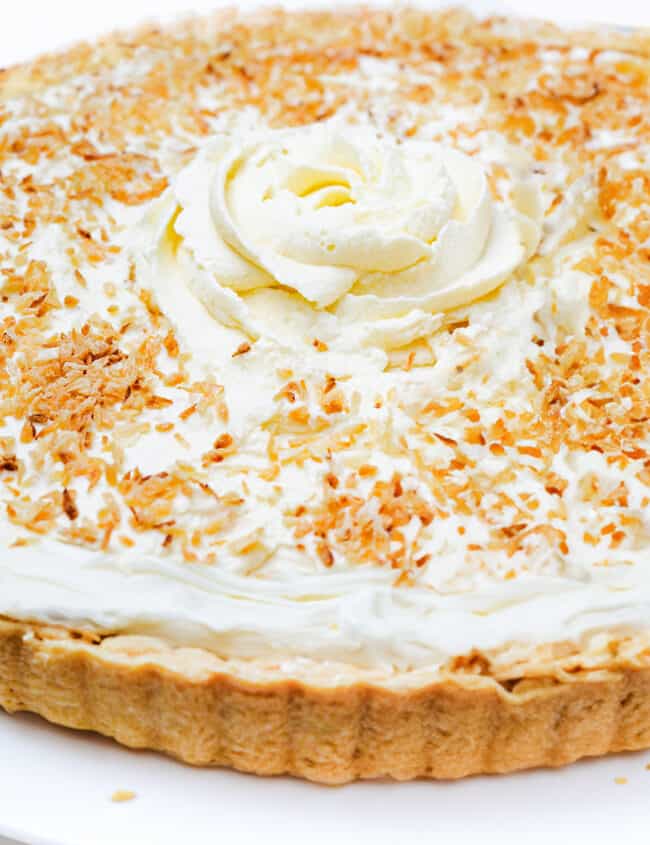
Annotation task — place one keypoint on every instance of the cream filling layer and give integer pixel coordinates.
(347, 618)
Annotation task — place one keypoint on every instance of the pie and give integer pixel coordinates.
(324, 396)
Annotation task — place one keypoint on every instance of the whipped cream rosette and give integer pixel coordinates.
(334, 227)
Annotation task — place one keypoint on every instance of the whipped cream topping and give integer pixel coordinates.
(332, 227)
(355, 618)
(371, 309)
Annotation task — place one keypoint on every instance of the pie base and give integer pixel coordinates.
(172, 701)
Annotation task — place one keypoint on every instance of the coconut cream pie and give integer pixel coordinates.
(324, 401)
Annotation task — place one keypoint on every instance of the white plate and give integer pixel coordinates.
(56, 787)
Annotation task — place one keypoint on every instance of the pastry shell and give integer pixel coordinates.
(146, 694)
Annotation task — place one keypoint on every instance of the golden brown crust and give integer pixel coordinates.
(448, 729)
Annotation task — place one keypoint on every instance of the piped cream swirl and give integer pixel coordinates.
(342, 226)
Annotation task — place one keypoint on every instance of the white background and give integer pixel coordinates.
(55, 786)
(30, 26)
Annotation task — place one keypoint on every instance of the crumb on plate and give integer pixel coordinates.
(122, 795)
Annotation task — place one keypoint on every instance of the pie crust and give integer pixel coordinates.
(472, 717)
(145, 695)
